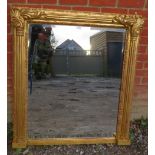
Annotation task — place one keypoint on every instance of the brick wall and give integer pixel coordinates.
(113, 6)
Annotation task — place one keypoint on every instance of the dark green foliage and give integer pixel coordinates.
(139, 127)
(9, 132)
(18, 151)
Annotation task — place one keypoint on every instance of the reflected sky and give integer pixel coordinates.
(79, 34)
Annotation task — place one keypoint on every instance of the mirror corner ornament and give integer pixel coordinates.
(17, 20)
(134, 23)
(20, 15)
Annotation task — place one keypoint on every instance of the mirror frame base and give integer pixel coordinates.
(70, 141)
(19, 144)
(123, 141)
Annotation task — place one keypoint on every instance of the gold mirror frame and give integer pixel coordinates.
(21, 18)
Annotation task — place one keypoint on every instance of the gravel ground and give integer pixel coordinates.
(73, 107)
(139, 145)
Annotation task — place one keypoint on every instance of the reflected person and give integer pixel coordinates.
(41, 54)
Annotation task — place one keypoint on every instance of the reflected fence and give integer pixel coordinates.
(79, 62)
(79, 52)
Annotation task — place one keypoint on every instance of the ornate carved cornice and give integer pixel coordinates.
(17, 20)
(32, 14)
(133, 23)
(20, 15)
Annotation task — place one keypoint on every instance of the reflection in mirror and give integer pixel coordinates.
(74, 80)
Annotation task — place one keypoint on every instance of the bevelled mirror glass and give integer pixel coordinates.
(74, 77)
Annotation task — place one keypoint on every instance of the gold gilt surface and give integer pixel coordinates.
(21, 18)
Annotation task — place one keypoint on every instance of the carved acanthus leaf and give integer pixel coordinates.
(16, 18)
(19, 15)
(32, 14)
(133, 23)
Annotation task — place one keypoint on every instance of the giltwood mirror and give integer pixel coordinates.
(23, 20)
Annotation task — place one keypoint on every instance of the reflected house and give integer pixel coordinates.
(70, 58)
(110, 42)
(69, 47)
